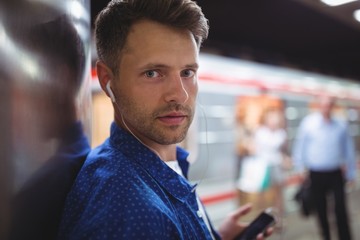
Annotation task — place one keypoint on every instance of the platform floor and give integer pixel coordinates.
(296, 227)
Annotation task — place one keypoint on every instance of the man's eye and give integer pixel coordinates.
(152, 74)
(187, 73)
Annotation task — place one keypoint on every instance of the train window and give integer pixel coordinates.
(354, 130)
(353, 115)
(291, 113)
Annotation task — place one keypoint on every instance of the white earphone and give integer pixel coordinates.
(110, 92)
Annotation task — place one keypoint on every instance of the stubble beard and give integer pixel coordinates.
(147, 124)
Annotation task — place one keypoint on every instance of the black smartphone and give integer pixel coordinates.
(259, 225)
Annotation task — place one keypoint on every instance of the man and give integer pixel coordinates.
(134, 185)
(324, 146)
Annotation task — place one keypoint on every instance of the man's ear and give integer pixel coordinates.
(104, 74)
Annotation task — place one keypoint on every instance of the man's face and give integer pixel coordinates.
(326, 105)
(156, 86)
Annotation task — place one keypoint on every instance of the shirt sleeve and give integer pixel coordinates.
(349, 151)
(299, 147)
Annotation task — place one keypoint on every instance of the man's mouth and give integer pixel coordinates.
(175, 118)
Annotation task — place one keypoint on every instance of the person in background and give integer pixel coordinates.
(270, 147)
(324, 147)
(134, 185)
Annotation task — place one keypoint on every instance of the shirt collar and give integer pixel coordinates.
(172, 182)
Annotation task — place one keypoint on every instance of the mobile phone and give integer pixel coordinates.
(260, 224)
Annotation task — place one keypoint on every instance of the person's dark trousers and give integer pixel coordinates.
(332, 182)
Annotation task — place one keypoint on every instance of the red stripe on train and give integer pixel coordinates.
(226, 196)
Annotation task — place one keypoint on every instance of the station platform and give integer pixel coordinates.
(295, 226)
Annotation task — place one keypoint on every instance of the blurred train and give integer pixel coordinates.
(227, 86)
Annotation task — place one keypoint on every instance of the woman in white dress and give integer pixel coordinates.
(270, 140)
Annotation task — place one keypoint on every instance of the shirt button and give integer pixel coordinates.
(199, 214)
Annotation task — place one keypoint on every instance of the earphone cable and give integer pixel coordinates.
(206, 147)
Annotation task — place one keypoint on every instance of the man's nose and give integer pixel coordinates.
(176, 90)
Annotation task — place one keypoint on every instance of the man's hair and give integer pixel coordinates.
(113, 23)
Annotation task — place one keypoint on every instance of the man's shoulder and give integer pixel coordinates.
(109, 184)
(105, 155)
(106, 175)
(104, 168)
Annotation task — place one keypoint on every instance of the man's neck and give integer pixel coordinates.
(167, 152)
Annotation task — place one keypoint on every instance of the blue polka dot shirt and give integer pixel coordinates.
(125, 191)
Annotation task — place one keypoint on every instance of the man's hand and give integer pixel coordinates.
(231, 226)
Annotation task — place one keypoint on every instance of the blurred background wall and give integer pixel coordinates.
(44, 86)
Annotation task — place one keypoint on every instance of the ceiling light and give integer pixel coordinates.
(334, 3)
(357, 15)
